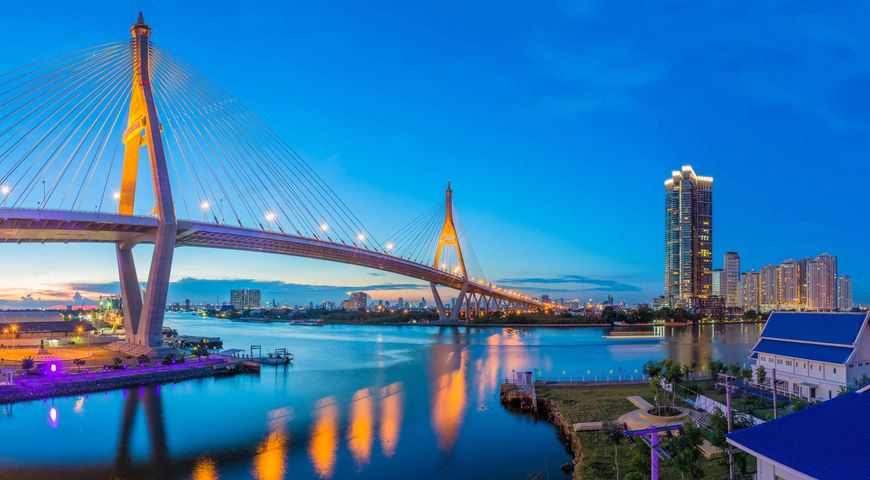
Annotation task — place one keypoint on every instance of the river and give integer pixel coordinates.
(357, 402)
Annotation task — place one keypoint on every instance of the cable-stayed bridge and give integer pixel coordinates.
(73, 129)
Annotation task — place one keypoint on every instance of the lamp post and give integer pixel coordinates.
(5, 191)
(13, 328)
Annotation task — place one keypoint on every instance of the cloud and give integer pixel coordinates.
(580, 281)
(199, 290)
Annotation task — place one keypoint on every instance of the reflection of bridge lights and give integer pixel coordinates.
(324, 227)
(270, 216)
(52, 417)
(361, 237)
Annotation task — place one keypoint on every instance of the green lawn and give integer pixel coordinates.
(608, 402)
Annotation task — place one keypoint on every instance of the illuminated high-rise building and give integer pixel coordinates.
(731, 280)
(770, 287)
(717, 282)
(751, 290)
(359, 300)
(245, 299)
(830, 280)
(844, 293)
(688, 236)
(817, 286)
(790, 283)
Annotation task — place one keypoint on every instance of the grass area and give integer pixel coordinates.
(608, 402)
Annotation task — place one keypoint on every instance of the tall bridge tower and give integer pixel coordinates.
(449, 237)
(143, 318)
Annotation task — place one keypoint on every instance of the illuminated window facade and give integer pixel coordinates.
(688, 236)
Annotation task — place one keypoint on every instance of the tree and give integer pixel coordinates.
(27, 363)
(798, 404)
(716, 367)
(688, 457)
(761, 375)
(614, 433)
(118, 362)
(864, 380)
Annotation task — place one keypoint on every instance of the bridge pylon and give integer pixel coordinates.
(449, 237)
(143, 318)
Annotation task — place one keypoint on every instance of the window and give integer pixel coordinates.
(835, 369)
(779, 361)
(796, 388)
(788, 363)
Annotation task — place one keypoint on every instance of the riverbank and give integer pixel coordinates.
(35, 387)
(595, 456)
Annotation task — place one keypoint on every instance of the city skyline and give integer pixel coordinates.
(576, 255)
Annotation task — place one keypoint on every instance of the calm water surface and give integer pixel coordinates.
(358, 402)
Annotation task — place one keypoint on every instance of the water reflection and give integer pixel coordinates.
(149, 397)
(392, 403)
(359, 432)
(323, 443)
(448, 369)
(270, 461)
(204, 469)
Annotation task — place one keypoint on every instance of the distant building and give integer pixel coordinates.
(401, 303)
(814, 354)
(712, 307)
(826, 441)
(346, 305)
(844, 293)
(717, 282)
(750, 287)
(688, 236)
(770, 287)
(359, 300)
(545, 299)
(731, 280)
(327, 305)
(830, 280)
(790, 284)
(821, 278)
(245, 299)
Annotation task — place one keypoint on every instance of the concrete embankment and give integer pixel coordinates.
(25, 390)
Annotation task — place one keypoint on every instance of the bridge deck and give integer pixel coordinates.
(47, 226)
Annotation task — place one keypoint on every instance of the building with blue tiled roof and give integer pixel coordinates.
(824, 441)
(813, 354)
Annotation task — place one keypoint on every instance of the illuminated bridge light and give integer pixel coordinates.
(204, 205)
(270, 216)
(116, 195)
(361, 237)
(324, 227)
(4, 189)
(390, 246)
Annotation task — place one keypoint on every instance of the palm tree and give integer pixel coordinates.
(614, 433)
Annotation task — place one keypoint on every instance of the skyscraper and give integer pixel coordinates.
(359, 300)
(770, 287)
(817, 289)
(830, 280)
(717, 282)
(844, 293)
(688, 236)
(245, 299)
(750, 287)
(731, 280)
(790, 283)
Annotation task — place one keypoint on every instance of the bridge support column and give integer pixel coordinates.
(144, 319)
(130, 295)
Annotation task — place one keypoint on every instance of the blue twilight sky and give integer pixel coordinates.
(557, 123)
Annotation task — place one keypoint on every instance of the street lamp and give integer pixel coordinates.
(14, 328)
(204, 205)
(5, 191)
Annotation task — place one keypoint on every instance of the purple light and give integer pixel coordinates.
(52, 417)
(53, 370)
